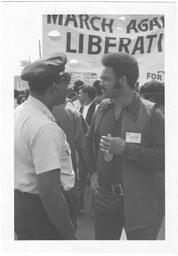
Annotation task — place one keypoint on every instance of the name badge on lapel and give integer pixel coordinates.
(132, 137)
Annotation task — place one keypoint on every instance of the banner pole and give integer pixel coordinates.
(39, 49)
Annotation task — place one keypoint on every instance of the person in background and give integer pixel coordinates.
(75, 100)
(74, 126)
(43, 166)
(98, 99)
(16, 93)
(86, 96)
(69, 98)
(70, 95)
(21, 99)
(154, 91)
(77, 85)
(125, 143)
(99, 92)
(17, 97)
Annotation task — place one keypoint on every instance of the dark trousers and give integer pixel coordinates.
(83, 181)
(72, 199)
(109, 219)
(31, 220)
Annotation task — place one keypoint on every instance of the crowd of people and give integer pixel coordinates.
(109, 136)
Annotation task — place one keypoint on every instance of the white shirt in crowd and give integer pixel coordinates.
(85, 110)
(40, 146)
(76, 104)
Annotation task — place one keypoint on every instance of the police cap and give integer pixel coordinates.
(49, 68)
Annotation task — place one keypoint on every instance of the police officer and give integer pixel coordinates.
(126, 145)
(43, 164)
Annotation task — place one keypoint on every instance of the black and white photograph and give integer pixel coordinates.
(89, 111)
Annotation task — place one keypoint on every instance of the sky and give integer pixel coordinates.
(22, 30)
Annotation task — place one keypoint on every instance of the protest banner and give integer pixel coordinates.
(85, 38)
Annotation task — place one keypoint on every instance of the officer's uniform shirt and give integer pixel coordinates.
(40, 146)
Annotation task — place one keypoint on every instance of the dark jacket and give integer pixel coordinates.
(141, 162)
(90, 113)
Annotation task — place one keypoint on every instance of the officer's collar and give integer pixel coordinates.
(40, 105)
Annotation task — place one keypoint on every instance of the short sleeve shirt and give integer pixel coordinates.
(40, 145)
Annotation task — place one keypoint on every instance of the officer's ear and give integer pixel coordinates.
(54, 87)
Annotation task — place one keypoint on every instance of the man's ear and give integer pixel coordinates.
(123, 81)
(54, 87)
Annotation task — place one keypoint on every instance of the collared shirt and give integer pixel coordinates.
(85, 110)
(40, 146)
(76, 104)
